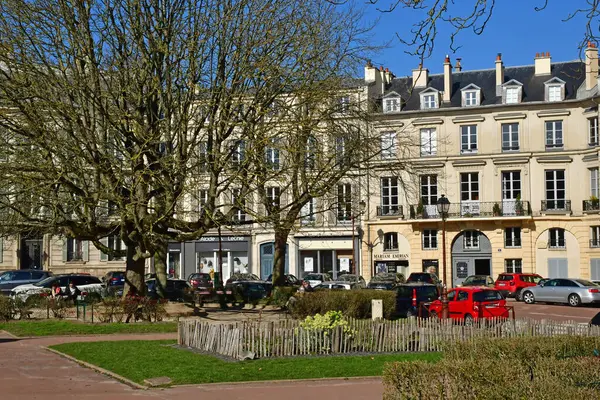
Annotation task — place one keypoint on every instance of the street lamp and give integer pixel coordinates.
(362, 206)
(443, 206)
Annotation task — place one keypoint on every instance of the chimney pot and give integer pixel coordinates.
(387, 70)
(499, 57)
(447, 58)
(381, 67)
(537, 55)
(547, 54)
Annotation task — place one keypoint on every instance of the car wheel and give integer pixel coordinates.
(469, 321)
(528, 298)
(574, 300)
(519, 295)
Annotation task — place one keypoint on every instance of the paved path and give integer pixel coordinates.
(557, 312)
(27, 371)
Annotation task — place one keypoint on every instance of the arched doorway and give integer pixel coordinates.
(471, 255)
(267, 259)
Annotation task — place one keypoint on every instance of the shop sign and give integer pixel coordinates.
(344, 264)
(391, 256)
(223, 239)
(461, 270)
(309, 264)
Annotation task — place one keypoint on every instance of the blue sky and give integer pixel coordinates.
(516, 30)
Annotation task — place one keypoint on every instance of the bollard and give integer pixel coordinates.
(376, 309)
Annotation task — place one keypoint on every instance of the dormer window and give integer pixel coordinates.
(471, 96)
(512, 92)
(429, 101)
(391, 105)
(555, 89)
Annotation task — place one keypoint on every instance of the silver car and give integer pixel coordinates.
(572, 291)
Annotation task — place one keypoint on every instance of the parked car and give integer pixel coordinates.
(12, 279)
(423, 277)
(176, 290)
(574, 292)
(114, 278)
(512, 285)
(478, 280)
(412, 298)
(84, 282)
(200, 281)
(470, 304)
(386, 281)
(290, 280)
(316, 278)
(357, 282)
(331, 285)
(252, 290)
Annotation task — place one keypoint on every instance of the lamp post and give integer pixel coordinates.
(361, 207)
(443, 206)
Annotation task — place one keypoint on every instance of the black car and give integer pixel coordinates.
(423, 277)
(11, 279)
(410, 298)
(386, 281)
(176, 290)
(200, 281)
(251, 290)
(290, 280)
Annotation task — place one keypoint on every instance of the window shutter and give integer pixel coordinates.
(86, 250)
(64, 249)
(563, 268)
(103, 255)
(595, 269)
(1, 250)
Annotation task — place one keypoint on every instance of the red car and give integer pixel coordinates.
(511, 285)
(470, 304)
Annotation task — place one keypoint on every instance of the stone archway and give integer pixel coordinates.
(471, 255)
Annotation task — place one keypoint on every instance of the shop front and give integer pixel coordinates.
(391, 262)
(325, 255)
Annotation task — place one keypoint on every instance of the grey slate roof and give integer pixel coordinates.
(572, 72)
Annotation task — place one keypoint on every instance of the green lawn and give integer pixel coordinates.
(139, 360)
(58, 327)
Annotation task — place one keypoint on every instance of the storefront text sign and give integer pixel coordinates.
(344, 264)
(223, 239)
(391, 256)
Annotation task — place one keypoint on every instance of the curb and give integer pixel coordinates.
(97, 369)
(10, 334)
(265, 382)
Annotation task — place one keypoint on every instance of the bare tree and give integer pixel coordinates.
(114, 111)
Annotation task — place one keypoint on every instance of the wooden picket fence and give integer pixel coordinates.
(287, 338)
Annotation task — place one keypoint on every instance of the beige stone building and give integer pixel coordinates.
(516, 152)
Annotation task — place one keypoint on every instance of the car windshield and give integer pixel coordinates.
(505, 278)
(585, 282)
(429, 292)
(44, 282)
(384, 277)
(7, 276)
(347, 278)
(420, 278)
(313, 277)
(476, 280)
(487, 295)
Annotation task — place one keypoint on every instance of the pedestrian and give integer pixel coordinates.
(72, 291)
(56, 292)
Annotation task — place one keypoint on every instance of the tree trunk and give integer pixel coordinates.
(279, 258)
(160, 267)
(134, 273)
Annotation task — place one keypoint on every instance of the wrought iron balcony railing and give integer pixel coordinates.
(475, 209)
(591, 205)
(556, 206)
(390, 211)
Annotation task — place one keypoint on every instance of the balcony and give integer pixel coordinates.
(390, 211)
(556, 206)
(477, 209)
(591, 206)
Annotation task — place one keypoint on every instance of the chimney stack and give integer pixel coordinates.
(542, 64)
(374, 80)
(458, 67)
(447, 80)
(591, 66)
(499, 74)
(420, 76)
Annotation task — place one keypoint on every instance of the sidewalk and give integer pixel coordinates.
(28, 371)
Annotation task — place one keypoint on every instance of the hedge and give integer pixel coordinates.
(352, 303)
(517, 368)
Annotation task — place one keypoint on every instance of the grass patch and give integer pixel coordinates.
(59, 328)
(139, 360)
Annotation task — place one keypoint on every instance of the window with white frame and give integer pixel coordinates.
(513, 265)
(593, 131)
(554, 134)
(344, 104)
(510, 137)
(238, 203)
(471, 240)
(202, 199)
(468, 139)
(595, 236)
(310, 158)
(238, 151)
(429, 101)
(308, 212)
(114, 243)
(272, 158)
(594, 191)
(430, 239)
(390, 241)
(203, 156)
(512, 237)
(341, 152)
(512, 95)
(428, 142)
(555, 189)
(555, 93)
(74, 249)
(471, 98)
(429, 190)
(469, 186)
(556, 238)
(344, 202)
(389, 196)
(391, 105)
(273, 195)
(389, 147)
